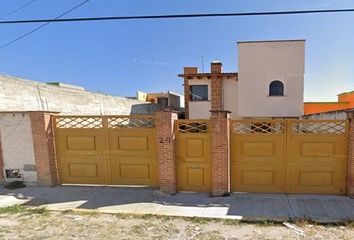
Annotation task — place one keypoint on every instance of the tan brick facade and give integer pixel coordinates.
(166, 151)
(44, 150)
(350, 167)
(219, 129)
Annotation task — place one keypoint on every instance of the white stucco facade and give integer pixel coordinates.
(200, 109)
(17, 144)
(260, 63)
(230, 96)
(246, 95)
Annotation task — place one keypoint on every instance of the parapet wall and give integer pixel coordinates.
(24, 95)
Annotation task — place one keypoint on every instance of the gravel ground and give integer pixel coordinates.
(23, 223)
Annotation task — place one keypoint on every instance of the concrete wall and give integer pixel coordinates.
(200, 109)
(259, 64)
(23, 95)
(17, 144)
(336, 115)
(230, 97)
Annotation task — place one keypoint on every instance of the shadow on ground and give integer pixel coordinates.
(324, 208)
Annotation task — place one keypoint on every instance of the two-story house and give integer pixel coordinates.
(269, 83)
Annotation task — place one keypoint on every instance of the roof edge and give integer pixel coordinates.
(326, 102)
(206, 74)
(283, 40)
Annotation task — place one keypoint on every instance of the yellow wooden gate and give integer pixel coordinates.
(106, 149)
(289, 156)
(193, 155)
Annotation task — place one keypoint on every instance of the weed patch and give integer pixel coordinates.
(22, 209)
(12, 209)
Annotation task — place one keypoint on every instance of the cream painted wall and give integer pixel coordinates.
(200, 109)
(259, 64)
(230, 98)
(17, 144)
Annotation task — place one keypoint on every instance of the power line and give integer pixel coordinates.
(43, 25)
(201, 15)
(17, 9)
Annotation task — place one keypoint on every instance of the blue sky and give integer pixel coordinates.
(121, 57)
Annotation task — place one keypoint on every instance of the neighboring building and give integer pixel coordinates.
(269, 83)
(166, 100)
(198, 90)
(24, 95)
(345, 101)
(332, 115)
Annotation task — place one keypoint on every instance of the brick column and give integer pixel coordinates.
(187, 71)
(350, 166)
(1, 162)
(216, 86)
(44, 150)
(219, 129)
(166, 151)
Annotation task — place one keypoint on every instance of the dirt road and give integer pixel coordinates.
(22, 223)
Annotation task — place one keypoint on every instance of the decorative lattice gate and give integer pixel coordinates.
(106, 149)
(193, 155)
(292, 156)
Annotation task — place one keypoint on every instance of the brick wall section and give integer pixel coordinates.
(166, 151)
(187, 70)
(44, 150)
(216, 92)
(350, 178)
(219, 130)
(216, 86)
(1, 162)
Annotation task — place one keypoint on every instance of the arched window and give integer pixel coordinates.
(276, 88)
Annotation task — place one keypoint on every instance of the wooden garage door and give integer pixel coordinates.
(289, 156)
(317, 156)
(258, 154)
(193, 155)
(106, 149)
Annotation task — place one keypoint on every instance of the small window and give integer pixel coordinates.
(276, 88)
(162, 101)
(198, 92)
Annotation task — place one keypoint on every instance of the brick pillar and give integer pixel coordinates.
(219, 129)
(350, 167)
(1, 162)
(187, 71)
(44, 150)
(166, 151)
(216, 86)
